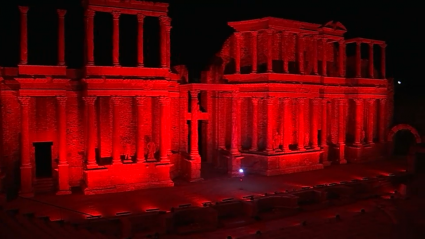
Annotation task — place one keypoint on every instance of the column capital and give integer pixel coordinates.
(370, 101)
(325, 101)
(61, 13)
(383, 45)
(194, 93)
(358, 101)
(116, 100)
(89, 13)
(23, 9)
(342, 101)
(301, 100)
(254, 33)
(89, 100)
(116, 15)
(238, 34)
(270, 100)
(341, 42)
(165, 20)
(140, 100)
(61, 100)
(235, 93)
(24, 100)
(164, 99)
(316, 101)
(371, 44)
(140, 17)
(284, 33)
(269, 31)
(255, 100)
(383, 100)
(286, 100)
(358, 43)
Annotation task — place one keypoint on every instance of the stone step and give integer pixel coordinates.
(44, 185)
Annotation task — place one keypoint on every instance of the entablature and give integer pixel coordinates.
(132, 7)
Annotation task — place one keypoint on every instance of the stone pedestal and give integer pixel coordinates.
(342, 159)
(234, 164)
(325, 154)
(26, 182)
(63, 170)
(281, 163)
(127, 177)
(192, 170)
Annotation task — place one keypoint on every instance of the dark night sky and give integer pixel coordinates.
(199, 28)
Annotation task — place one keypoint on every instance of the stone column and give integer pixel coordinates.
(286, 120)
(236, 101)
(254, 36)
(358, 60)
(324, 58)
(89, 17)
(269, 50)
(300, 52)
(370, 120)
(371, 68)
(383, 61)
(194, 151)
(254, 144)
(63, 167)
(284, 51)
(324, 133)
(140, 145)
(341, 60)
(168, 47)
(116, 38)
(164, 22)
(238, 39)
(341, 130)
(140, 22)
(26, 167)
(301, 124)
(382, 120)
(164, 102)
(270, 125)
(359, 122)
(61, 37)
(315, 66)
(116, 135)
(324, 130)
(91, 131)
(24, 35)
(314, 126)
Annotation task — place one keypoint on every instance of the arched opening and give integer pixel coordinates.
(403, 140)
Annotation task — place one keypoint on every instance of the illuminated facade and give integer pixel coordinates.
(266, 104)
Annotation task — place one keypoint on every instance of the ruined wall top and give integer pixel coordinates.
(127, 6)
(280, 24)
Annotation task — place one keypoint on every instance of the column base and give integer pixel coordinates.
(254, 72)
(234, 164)
(357, 145)
(342, 161)
(142, 160)
(301, 149)
(117, 65)
(92, 166)
(327, 163)
(141, 65)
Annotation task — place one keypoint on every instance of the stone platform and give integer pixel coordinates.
(126, 177)
(280, 163)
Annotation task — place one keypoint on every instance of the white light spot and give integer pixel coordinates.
(399, 82)
(240, 170)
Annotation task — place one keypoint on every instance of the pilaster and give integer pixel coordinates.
(63, 167)
(61, 37)
(301, 124)
(140, 145)
(26, 167)
(164, 102)
(24, 35)
(254, 36)
(238, 39)
(371, 68)
(89, 21)
(254, 144)
(116, 38)
(140, 27)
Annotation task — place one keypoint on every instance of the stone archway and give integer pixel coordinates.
(397, 128)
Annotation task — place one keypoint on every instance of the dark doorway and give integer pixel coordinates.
(403, 140)
(43, 159)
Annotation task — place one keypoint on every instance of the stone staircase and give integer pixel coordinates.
(44, 185)
(15, 225)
